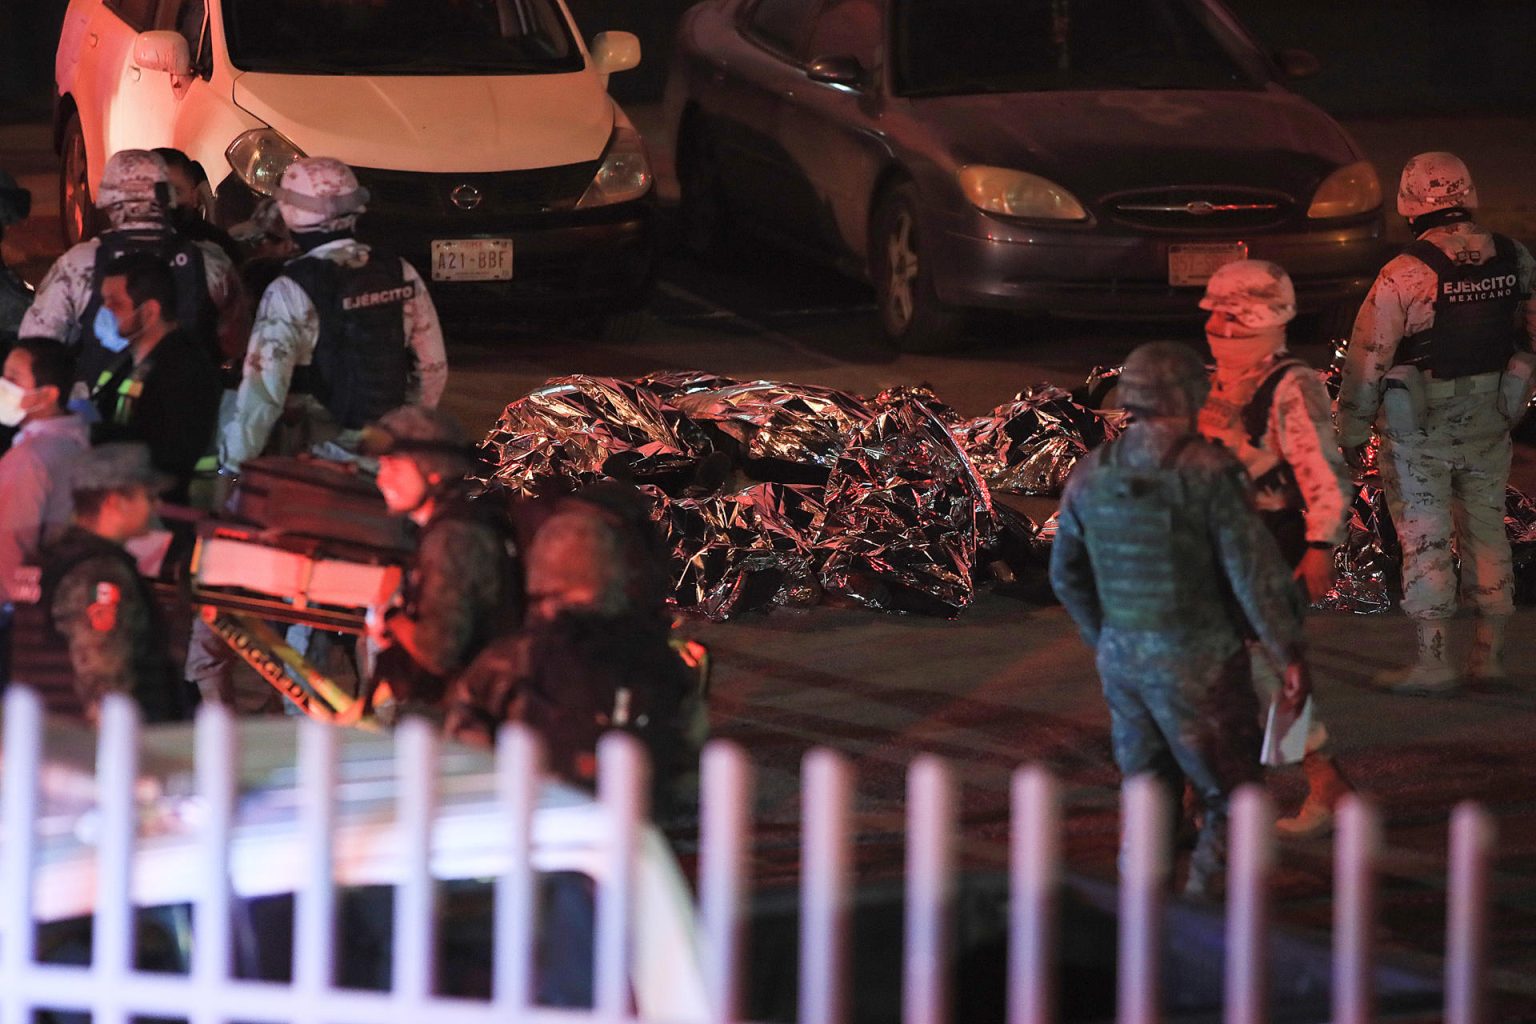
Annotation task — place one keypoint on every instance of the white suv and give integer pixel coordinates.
(483, 129)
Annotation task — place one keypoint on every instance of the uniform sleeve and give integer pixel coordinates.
(1259, 577)
(62, 296)
(424, 334)
(1402, 296)
(94, 607)
(1072, 569)
(24, 482)
(229, 298)
(282, 338)
(459, 573)
(1303, 432)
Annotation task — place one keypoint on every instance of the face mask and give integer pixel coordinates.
(11, 395)
(1248, 349)
(108, 332)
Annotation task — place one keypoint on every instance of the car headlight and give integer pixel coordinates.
(1017, 194)
(625, 172)
(1346, 192)
(259, 158)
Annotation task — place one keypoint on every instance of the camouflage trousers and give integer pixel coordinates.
(1444, 483)
(1183, 708)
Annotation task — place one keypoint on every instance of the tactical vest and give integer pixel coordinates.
(1151, 543)
(195, 312)
(1476, 306)
(360, 368)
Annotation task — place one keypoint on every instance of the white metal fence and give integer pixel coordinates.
(113, 991)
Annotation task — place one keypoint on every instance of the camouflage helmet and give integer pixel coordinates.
(1163, 379)
(320, 192)
(431, 438)
(15, 201)
(1255, 293)
(1435, 181)
(137, 181)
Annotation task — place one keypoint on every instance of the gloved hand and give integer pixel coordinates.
(1316, 572)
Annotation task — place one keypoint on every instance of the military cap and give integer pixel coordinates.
(118, 466)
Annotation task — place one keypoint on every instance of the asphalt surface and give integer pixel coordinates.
(1008, 682)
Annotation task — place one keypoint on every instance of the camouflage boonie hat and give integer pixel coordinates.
(118, 466)
(15, 201)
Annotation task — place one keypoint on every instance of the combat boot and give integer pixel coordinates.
(1487, 658)
(1325, 787)
(1432, 672)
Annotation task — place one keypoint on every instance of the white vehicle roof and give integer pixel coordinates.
(267, 857)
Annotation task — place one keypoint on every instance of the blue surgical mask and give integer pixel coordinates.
(107, 331)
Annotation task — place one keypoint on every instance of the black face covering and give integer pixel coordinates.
(1438, 218)
(309, 240)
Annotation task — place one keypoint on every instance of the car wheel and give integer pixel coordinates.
(702, 212)
(911, 316)
(77, 212)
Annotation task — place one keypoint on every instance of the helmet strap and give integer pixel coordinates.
(1438, 219)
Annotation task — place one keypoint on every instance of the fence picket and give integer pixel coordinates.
(1354, 911)
(826, 867)
(112, 938)
(930, 892)
(1466, 918)
(725, 828)
(1034, 874)
(519, 772)
(1144, 866)
(623, 778)
(19, 792)
(1251, 858)
(217, 754)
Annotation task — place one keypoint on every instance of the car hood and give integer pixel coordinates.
(441, 123)
(1096, 143)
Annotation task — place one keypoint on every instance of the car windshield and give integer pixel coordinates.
(975, 46)
(400, 37)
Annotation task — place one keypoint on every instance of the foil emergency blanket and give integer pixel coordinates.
(906, 514)
(569, 431)
(742, 551)
(1030, 444)
(770, 420)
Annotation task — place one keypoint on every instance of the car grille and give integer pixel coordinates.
(1200, 209)
(501, 193)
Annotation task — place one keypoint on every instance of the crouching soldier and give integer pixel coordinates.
(1160, 558)
(594, 653)
(465, 587)
(94, 594)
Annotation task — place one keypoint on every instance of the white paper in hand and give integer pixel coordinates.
(1285, 735)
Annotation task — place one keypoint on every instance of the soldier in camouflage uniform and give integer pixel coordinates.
(15, 294)
(465, 587)
(1271, 410)
(1160, 558)
(343, 335)
(136, 198)
(1438, 362)
(94, 594)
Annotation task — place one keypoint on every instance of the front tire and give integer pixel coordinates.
(77, 210)
(911, 316)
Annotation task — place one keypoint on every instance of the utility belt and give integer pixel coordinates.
(1407, 392)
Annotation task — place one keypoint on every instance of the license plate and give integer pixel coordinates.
(1194, 262)
(472, 259)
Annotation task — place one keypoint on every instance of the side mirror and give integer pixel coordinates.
(1295, 63)
(162, 51)
(615, 51)
(845, 71)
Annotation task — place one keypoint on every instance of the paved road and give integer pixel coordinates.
(1008, 681)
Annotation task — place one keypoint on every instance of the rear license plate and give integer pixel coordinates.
(1194, 263)
(472, 259)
